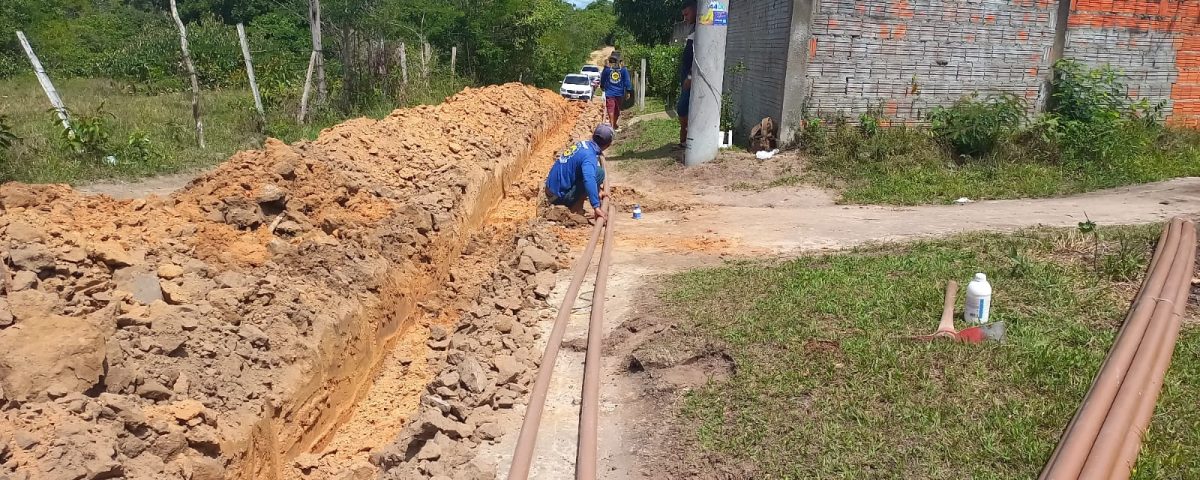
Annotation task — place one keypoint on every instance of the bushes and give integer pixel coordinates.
(7, 137)
(1093, 137)
(974, 126)
(662, 64)
(1091, 121)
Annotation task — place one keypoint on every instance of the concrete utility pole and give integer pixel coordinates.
(262, 116)
(44, 80)
(708, 75)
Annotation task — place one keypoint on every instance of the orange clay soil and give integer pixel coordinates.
(224, 330)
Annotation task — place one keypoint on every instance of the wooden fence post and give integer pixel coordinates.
(404, 62)
(426, 56)
(303, 115)
(44, 81)
(314, 22)
(453, 59)
(191, 68)
(642, 87)
(262, 116)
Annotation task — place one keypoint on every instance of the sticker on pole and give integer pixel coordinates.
(715, 14)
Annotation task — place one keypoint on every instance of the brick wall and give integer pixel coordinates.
(756, 59)
(907, 56)
(1155, 44)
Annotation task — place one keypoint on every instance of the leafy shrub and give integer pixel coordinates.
(89, 132)
(973, 126)
(662, 64)
(869, 122)
(7, 137)
(853, 146)
(814, 137)
(138, 148)
(1097, 125)
(728, 111)
(1088, 95)
(10, 65)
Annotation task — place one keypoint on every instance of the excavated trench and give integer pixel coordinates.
(238, 323)
(491, 206)
(389, 395)
(354, 354)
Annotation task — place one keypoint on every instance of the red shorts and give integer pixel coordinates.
(613, 107)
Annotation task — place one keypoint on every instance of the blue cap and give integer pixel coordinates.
(603, 135)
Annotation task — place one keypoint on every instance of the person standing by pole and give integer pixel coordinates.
(616, 83)
(685, 71)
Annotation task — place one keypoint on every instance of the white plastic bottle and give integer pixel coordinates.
(979, 300)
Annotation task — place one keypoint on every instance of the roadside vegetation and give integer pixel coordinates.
(144, 135)
(986, 147)
(827, 385)
(646, 144)
(118, 68)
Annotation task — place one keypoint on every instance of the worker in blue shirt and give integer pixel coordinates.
(577, 173)
(616, 83)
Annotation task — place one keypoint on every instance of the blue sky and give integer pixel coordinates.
(579, 3)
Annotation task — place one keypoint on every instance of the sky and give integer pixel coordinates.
(579, 3)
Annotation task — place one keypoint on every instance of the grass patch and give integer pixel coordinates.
(160, 126)
(646, 144)
(827, 386)
(906, 166)
(653, 105)
(990, 147)
(40, 156)
(785, 180)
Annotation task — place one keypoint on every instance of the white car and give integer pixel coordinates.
(593, 72)
(577, 86)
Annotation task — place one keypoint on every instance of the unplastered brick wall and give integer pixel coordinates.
(1154, 44)
(756, 55)
(904, 57)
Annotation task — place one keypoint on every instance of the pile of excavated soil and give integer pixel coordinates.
(487, 360)
(501, 278)
(221, 331)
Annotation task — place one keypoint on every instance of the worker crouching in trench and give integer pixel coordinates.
(578, 175)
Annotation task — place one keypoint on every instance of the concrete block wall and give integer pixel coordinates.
(905, 57)
(1155, 44)
(756, 59)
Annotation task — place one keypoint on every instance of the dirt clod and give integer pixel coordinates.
(74, 365)
(32, 258)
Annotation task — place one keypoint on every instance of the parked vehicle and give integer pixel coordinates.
(593, 72)
(577, 86)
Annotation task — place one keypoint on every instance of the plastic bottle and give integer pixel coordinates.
(637, 212)
(979, 300)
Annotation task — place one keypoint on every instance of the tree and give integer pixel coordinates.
(650, 21)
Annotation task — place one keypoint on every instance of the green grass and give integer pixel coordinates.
(827, 386)
(646, 144)
(905, 166)
(653, 105)
(40, 155)
(230, 124)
